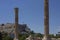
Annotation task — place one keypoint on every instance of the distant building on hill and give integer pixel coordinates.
(9, 28)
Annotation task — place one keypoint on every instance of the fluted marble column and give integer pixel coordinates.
(46, 20)
(16, 23)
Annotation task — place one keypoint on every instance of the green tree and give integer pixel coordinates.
(52, 35)
(39, 35)
(6, 37)
(23, 36)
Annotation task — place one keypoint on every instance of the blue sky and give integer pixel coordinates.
(31, 12)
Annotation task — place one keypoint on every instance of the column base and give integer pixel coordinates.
(15, 39)
(45, 38)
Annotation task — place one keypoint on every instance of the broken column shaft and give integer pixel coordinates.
(16, 24)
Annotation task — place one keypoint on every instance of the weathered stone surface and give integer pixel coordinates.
(53, 39)
(58, 39)
(29, 38)
(45, 38)
(46, 20)
(15, 39)
(16, 23)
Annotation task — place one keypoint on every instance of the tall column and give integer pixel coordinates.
(16, 24)
(46, 20)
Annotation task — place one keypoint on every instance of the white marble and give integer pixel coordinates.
(58, 39)
(15, 39)
(29, 38)
(45, 38)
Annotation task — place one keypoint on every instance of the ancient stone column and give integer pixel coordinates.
(46, 20)
(16, 24)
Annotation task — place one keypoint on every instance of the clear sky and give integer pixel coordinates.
(31, 12)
